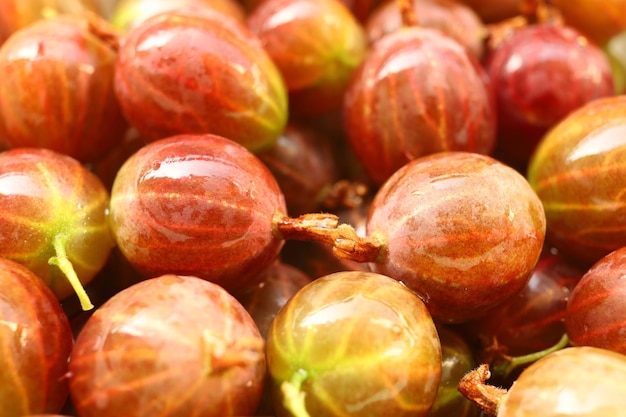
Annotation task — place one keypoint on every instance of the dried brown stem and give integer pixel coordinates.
(408, 13)
(473, 386)
(325, 228)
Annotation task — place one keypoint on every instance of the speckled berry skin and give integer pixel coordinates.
(198, 205)
(463, 230)
(196, 71)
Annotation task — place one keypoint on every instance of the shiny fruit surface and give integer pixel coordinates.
(533, 319)
(130, 13)
(354, 343)
(577, 172)
(53, 205)
(461, 229)
(540, 74)
(193, 71)
(56, 89)
(596, 312)
(172, 346)
(316, 45)
(401, 105)
(199, 205)
(575, 381)
(451, 17)
(36, 341)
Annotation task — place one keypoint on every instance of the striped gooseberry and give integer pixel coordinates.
(596, 311)
(540, 73)
(577, 171)
(36, 341)
(54, 219)
(463, 230)
(171, 345)
(582, 381)
(56, 88)
(194, 70)
(354, 343)
(417, 92)
(199, 205)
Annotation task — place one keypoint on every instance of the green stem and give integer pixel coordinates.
(67, 268)
(504, 369)
(293, 397)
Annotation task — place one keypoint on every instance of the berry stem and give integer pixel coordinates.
(67, 268)
(325, 228)
(294, 398)
(473, 386)
(505, 368)
(408, 13)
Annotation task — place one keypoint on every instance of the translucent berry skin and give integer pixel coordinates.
(193, 71)
(577, 171)
(575, 381)
(127, 14)
(596, 311)
(36, 340)
(56, 90)
(540, 74)
(172, 346)
(199, 205)
(417, 92)
(461, 229)
(316, 45)
(367, 345)
(47, 197)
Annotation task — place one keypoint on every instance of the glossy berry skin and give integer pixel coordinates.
(172, 346)
(461, 229)
(400, 106)
(193, 71)
(316, 45)
(303, 163)
(49, 198)
(199, 205)
(540, 74)
(36, 341)
(362, 342)
(56, 89)
(575, 381)
(457, 358)
(534, 319)
(278, 283)
(451, 17)
(596, 312)
(130, 13)
(577, 172)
